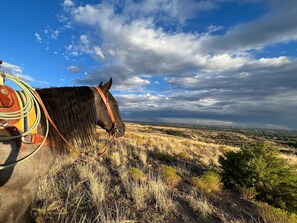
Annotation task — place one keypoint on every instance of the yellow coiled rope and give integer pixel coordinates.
(31, 102)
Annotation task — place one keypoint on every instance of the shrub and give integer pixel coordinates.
(168, 174)
(271, 214)
(163, 156)
(248, 193)
(184, 156)
(208, 183)
(260, 166)
(137, 175)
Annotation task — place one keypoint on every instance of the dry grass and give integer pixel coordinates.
(161, 195)
(274, 215)
(292, 159)
(201, 205)
(147, 176)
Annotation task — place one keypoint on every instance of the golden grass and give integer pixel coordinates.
(116, 159)
(162, 196)
(270, 214)
(292, 159)
(201, 205)
(141, 179)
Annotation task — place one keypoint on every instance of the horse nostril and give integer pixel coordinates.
(120, 130)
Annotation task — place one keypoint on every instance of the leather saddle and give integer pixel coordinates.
(9, 101)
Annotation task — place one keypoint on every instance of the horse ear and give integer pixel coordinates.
(100, 85)
(107, 85)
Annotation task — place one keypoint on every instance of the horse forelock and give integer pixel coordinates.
(73, 111)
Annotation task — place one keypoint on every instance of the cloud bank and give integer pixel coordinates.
(203, 74)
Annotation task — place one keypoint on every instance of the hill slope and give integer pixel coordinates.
(147, 176)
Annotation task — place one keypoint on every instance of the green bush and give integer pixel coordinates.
(162, 156)
(137, 174)
(209, 183)
(259, 166)
(168, 174)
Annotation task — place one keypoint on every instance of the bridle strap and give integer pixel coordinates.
(105, 100)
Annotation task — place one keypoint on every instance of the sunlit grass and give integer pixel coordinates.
(152, 174)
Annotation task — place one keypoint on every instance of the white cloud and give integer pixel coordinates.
(11, 68)
(25, 77)
(74, 69)
(213, 28)
(68, 3)
(37, 37)
(18, 71)
(98, 52)
(84, 40)
(55, 34)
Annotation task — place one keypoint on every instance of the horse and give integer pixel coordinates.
(76, 112)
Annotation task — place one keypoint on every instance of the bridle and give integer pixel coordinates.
(104, 98)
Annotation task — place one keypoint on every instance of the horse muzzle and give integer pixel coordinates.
(117, 130)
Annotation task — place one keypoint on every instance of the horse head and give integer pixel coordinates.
(104, 115)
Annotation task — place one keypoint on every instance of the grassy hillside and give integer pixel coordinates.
(152, 174)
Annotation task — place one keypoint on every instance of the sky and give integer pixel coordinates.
(209, 62)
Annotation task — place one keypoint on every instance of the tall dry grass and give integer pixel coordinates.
(147, 176)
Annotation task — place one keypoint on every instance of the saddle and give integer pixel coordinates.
(9, 102)
(13, 101)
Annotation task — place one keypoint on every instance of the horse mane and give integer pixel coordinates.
(73, 111)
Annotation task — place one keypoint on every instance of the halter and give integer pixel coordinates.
(113, 129)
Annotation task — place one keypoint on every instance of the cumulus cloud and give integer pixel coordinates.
(147, 49)
(119, 75)
(68, 3)
(16, 70)
(11, 68)
(221, 73)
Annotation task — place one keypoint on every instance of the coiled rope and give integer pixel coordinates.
(31, 103)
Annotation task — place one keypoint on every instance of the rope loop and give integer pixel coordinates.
(31, 103)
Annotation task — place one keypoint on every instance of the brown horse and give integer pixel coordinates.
(76, 111)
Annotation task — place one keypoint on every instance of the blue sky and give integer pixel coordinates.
(217, 62)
